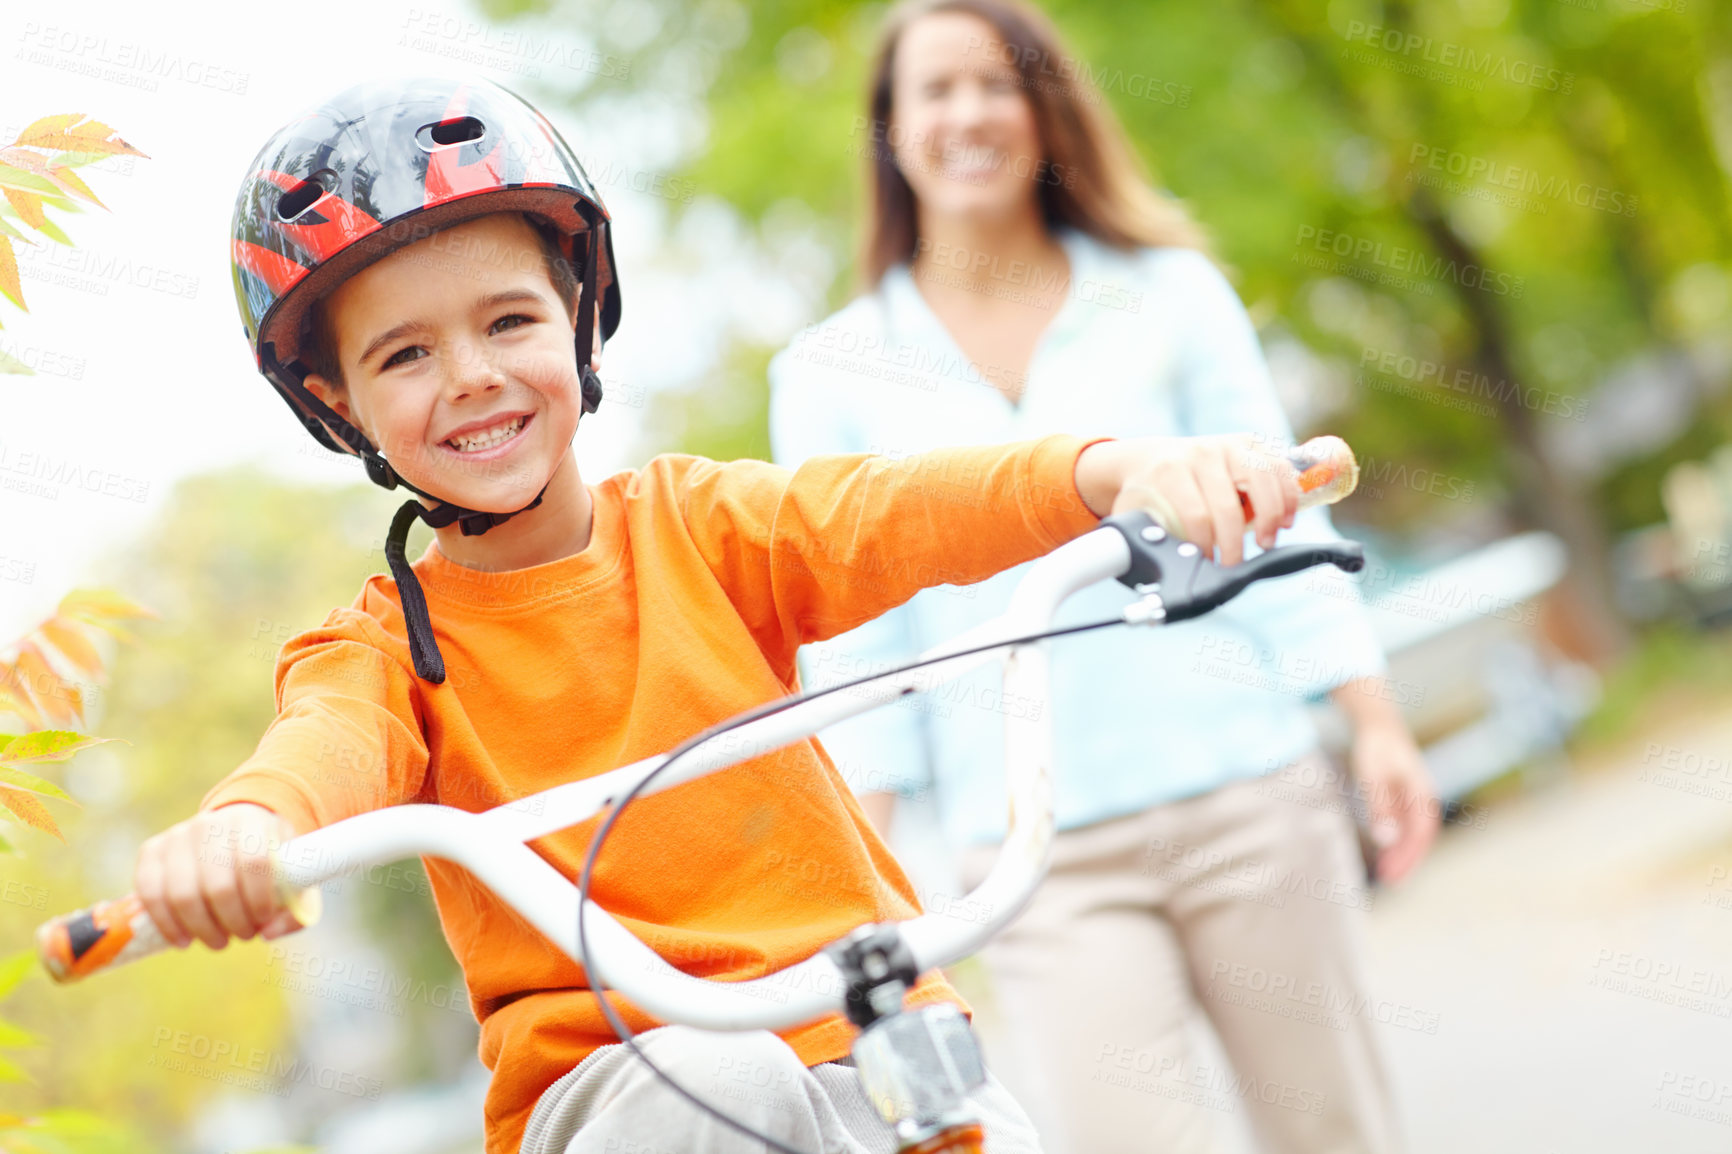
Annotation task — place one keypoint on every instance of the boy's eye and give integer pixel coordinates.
(402, 356)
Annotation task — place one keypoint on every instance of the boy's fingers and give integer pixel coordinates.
(1177, 487)
(181, 884)
(147, 883)
(258, 891)
(221, 881)
(282, 923)
(223, 898)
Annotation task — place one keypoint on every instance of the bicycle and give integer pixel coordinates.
(916, 1066)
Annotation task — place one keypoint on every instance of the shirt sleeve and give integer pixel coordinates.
(1313, 625)
(885, 750)
(347, 736)
(810, 554)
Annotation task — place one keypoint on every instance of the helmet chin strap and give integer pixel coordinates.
(423, 648)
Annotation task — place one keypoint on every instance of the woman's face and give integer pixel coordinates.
(962, 128)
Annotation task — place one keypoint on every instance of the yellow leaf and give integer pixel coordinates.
(70, 181)
(28, 810)
(11, 364)
(90, 136)
(28, 207)
(95, 606)
(59, 122)
(10, 285)
(69, 638)
(46, 686)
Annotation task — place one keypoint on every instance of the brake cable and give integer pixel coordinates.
(1157, 557)
(768, 709)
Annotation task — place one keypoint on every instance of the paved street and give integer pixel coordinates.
(1577, 951)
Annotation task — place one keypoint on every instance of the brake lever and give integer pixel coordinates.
(1189, 584)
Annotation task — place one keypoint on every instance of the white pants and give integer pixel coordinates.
(611, 1102)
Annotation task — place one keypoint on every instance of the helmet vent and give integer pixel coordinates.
(294, 203)
(449, 132)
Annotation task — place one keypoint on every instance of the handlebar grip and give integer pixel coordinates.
(113, 933)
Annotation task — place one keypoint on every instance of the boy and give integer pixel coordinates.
(403, 262)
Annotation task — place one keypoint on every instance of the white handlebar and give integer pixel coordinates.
(492, 845)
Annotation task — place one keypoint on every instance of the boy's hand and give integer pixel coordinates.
(1195, 481)
(210, 877)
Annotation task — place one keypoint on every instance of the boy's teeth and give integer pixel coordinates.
(487, 438)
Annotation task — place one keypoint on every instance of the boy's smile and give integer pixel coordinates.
(457, 361)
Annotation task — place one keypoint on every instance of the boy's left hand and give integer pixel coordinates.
(1195, 482)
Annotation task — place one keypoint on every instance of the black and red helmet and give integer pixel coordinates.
(382, 165)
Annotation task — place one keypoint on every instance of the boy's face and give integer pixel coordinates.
(457, 360)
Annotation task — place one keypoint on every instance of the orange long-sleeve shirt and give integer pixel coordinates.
(699, 583)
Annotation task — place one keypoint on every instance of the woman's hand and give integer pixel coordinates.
(1194, 483)
(210, 877)
(1400, 799)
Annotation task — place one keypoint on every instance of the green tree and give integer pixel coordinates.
(1555, 172)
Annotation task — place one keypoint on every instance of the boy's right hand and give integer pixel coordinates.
(210, 877)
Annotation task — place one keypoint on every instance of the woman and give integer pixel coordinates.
(1022, 278)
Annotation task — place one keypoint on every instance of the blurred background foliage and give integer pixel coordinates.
(230, 572)
(1274, 118)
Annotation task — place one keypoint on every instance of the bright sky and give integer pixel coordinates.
(143, 374)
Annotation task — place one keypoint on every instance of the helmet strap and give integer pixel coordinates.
(584, 337)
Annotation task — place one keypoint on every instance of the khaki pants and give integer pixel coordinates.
(1246, 904)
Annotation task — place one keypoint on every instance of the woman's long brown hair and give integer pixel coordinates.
(1104, 192)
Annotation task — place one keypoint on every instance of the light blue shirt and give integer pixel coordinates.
(1147, 343)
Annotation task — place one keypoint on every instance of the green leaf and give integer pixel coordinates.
(47, 745)
(11, 364)
(25, 181)
(15, 969)
(52, 231)
(35, 784)
(14, 1036)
